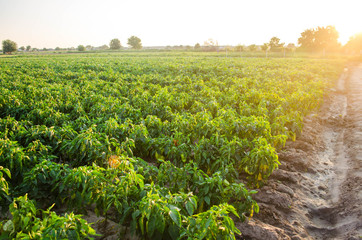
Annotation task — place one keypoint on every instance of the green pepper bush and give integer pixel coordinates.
(166, 146)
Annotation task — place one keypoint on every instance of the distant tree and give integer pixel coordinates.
(45, 49)
(306, 40)
(252, 47)
(28, 48)
(197, 46)
(115, 44)
(81, 48)
(211, 45)
(291, 45)
(319, 39)
(355, 43)
(9, 46)
(227, 48)
(239, 48)
(326, 38)
(89, 47)
(57, 48)
(103, 47)
(274, 44)
(22, 48)
(134, 42)
(265, 47)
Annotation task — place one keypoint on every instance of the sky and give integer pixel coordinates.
(69, 23)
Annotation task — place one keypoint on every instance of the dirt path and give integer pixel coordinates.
(340, 215)
(317, 192)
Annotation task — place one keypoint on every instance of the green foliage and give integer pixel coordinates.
(81, 48)
(164, 217)
(320, 39)
(210, 190)
(115, 44)
(355, 43)
(275, 44)
(265, 47)
(252, 47)
(88, 147)
(154, 215)
(13, 157)
(9, 46)
(4, 186)
(40, 181)
(261, 161)
(134, 42)
(150, 210)
(25, 223)
(160, 145)
(212, 224)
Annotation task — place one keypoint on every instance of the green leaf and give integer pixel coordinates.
(190, 208)
(206, 189)
(208, 223)
(160, 223)
(175, 216)
(173, 231)
(8, 226)
(151, 225)
(140, 221)
(233, 210)
(7, 171)
(135, 214)
(26, 221)
(207, 200)
(205, 228)
(194, 202)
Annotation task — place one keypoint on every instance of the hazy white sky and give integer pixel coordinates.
(67, 23)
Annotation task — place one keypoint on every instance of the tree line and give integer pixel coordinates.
(9, 46)
(320, 39)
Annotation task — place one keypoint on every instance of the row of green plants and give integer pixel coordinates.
(29, 222)
(167, 147)
(193, 102)
(149, 208)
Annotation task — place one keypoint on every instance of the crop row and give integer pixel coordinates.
(192, 130)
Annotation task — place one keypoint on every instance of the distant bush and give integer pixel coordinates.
(81, 48)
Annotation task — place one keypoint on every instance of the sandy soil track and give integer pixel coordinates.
(317, 192)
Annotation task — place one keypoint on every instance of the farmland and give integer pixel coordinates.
(166, 145)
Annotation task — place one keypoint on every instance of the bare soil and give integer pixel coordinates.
(317, 191)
